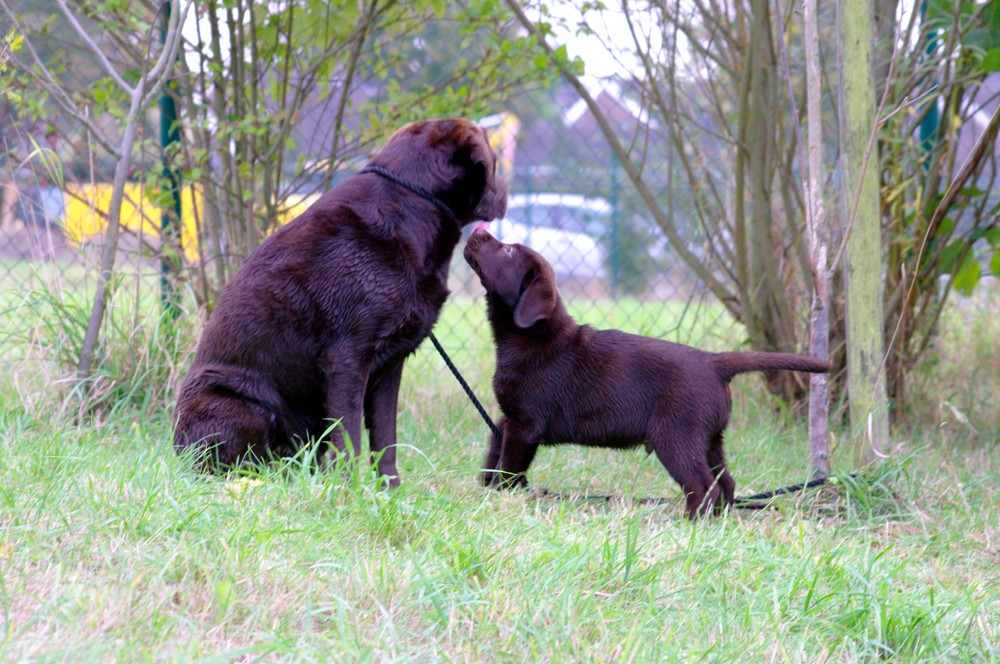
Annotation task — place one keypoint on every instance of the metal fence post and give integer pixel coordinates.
(170, 138)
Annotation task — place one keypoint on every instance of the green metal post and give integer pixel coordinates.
(170, 138)
(928, 129)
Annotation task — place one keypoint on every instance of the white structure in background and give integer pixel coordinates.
(565, 228)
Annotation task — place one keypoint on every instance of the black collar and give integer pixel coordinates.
(419, 191)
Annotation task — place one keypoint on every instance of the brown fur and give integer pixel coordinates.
(559, 382)
(315, 326)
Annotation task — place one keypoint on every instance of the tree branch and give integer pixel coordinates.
(101, 57)
(635, 176)
(47, 81)
(139, 102)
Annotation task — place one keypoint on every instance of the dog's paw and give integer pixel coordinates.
(490, 478)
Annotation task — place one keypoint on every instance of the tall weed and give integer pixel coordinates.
(136, 361)
(956, 388)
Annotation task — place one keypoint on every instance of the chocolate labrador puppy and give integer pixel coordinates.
(315, 326)
(559, 382)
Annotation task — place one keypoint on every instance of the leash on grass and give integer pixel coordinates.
(742, 502)
(791, 488)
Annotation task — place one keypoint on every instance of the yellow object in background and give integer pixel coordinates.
(85, 214)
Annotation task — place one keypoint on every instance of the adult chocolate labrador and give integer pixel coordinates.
(315, 326)
(559, 382)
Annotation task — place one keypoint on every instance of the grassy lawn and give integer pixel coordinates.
(113, 549)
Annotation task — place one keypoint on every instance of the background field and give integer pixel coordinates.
(112, 548)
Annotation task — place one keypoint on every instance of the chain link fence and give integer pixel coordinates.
(569, 199)
(53, 214)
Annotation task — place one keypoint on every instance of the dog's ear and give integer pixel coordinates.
(473, 157)
(537, 301)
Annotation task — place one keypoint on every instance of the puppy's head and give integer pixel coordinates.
(452, 159)
(519, 282)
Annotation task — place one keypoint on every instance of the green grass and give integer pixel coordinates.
(113, 549)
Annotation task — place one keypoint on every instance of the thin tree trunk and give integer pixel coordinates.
(773, 323)
(9, 195)
(141, 97)
(863, 256)
(110, 248)
(819, 312)
(814, 257)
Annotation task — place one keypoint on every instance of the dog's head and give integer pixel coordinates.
(519, 282)
(452, 159)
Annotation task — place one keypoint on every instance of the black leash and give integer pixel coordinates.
(740, 502)
(465, 386)
(791, 488)
(419, 191)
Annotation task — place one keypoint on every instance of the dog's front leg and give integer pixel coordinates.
(491, 465)
(381, 401)
(345, 389)
(517, 451)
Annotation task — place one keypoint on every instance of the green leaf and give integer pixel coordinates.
(949, 255)
(995, 263)
(14, 41)
(968, 275)
(224, 594)
(945, 228)
(991, 61)
(993, 236)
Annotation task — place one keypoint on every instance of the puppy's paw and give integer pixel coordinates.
(490, 478)
(511, 481)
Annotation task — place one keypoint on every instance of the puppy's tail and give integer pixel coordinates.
(728, 365)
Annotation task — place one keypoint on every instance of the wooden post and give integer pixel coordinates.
(863, 256)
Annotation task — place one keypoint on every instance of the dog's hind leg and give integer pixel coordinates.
(685, 460)
(717, 463)
(223, 429)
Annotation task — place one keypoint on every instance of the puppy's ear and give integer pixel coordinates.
(537, 301)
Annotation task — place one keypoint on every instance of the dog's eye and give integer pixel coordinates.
(509, 250)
